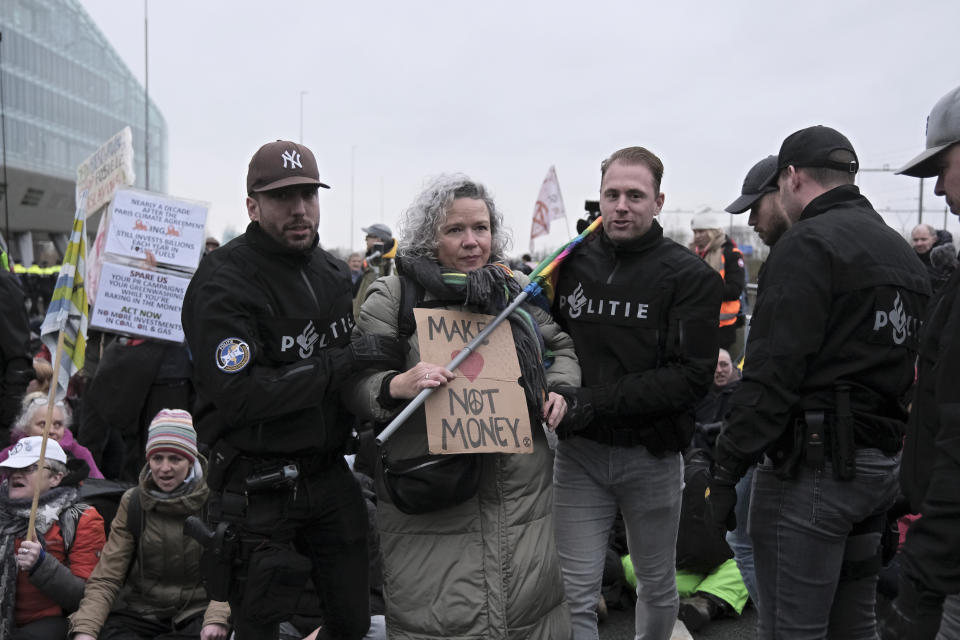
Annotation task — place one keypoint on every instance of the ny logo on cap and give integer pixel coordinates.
(293, 158)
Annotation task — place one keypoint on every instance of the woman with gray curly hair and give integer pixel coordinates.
(483, 562)
(422, 220)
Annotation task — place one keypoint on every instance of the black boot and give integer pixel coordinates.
(697, 611)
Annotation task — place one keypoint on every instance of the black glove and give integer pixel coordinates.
(580, 408)
(915, 614)
(721, 498)
(371, 352)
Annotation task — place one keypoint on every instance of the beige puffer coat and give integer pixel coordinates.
(487, 568)
(160, 576)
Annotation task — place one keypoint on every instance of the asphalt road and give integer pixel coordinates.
(619, 626)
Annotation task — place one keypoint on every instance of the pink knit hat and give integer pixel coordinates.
(172, 431)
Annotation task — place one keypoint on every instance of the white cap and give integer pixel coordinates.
(706, 220)
(27, 451)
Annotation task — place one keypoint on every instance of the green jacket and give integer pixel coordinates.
(487, 568)
(159, 578)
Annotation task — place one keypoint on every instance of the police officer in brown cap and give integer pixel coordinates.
(268, 320)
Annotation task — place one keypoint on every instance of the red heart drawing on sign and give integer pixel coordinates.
(471, 366)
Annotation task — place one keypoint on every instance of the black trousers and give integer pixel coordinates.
(324, 518)
(51, 628)
(122, 626)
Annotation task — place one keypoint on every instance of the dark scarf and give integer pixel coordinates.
(14, 518)
(489, 290)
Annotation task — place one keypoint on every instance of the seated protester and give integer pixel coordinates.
(41, 581)
(147, 554)
(708, 578)
(710, 411)
(32, 420)
(709, 414)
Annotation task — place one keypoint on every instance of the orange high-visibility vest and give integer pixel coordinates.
(729, 309)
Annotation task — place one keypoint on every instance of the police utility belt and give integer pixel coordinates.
(818, 436)
(233, 471)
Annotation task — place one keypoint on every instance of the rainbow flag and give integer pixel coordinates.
(544, 278)
(68, 307)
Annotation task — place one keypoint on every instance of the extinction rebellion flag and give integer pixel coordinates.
(549, 206)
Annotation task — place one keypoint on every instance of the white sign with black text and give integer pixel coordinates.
(171, 229)
(139, 302)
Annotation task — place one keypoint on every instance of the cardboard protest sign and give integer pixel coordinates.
(484, 409)
(109, 167)
(172, 229)
(139, 302)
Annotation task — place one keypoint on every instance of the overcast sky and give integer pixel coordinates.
(397, 92)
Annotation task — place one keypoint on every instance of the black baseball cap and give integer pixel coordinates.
(760, 180)
(815, 147)
(281, 164)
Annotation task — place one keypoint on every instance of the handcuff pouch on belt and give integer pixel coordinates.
(843, 447)
(818, 432)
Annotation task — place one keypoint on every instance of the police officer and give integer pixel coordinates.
(642, 311)
(830, 355)
(930, 476)
(760, 196)
(268, 320)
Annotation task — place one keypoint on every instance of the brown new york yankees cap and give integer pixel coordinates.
(281, 164)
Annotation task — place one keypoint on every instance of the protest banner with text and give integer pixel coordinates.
(484, 409)
(171, 229)
(139, 302)
(109, 167)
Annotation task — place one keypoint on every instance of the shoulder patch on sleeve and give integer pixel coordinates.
(233, 354)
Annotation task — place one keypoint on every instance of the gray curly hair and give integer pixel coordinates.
(421, 221)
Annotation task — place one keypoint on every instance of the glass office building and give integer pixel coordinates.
(65, 92)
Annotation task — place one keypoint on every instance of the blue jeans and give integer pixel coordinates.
(591, 481)
(805, 531)
(739, 538)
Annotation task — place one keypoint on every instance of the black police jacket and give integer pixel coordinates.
(930, 472)
(260, 321)
(643, 318)
(839, 304)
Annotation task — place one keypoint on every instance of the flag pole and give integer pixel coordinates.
(68, 295)
(543, 271)
(51, 398)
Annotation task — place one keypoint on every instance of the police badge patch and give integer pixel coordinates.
(233, 354)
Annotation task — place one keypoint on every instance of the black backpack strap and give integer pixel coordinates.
(135, 515)
(411, 294)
